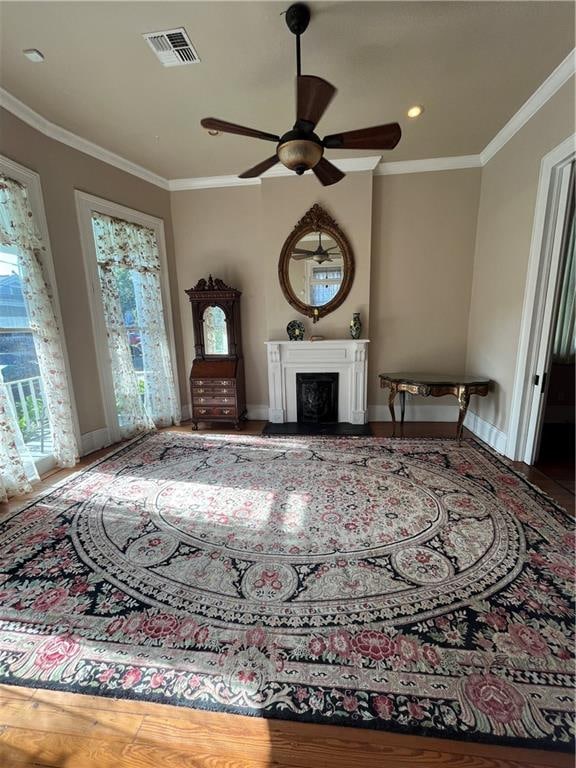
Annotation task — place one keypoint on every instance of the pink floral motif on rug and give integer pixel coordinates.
(410, 585)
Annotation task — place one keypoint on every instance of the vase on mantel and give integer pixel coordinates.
(355, 326)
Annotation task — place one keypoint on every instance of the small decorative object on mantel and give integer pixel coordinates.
(316, 338)
(295, 330)
(355, 326)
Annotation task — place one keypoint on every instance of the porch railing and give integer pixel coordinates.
(27, 398)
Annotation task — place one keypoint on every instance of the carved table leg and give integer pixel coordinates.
(463, 401)
(402, 406)
(194, 425)
(391, 398)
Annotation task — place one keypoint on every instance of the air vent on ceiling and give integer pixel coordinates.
(173, 47)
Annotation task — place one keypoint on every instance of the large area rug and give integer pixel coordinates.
(408, 585)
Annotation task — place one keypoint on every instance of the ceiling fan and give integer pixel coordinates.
(320, 255)
(300, 149)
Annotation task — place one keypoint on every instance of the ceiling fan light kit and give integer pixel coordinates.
(300, 149)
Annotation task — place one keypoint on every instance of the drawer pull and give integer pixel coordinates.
(202, 410)
(226, 411)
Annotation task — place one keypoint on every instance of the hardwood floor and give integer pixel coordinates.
(44, 728)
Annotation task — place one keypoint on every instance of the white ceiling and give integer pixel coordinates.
(471, 64)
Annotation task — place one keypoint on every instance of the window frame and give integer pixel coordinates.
(86, 204)
(33, 183)
(311, 281)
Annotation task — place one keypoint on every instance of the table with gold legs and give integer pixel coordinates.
(432, 385)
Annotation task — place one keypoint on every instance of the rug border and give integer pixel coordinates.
(381, 726)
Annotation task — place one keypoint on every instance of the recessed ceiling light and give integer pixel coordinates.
(33, 54)
(415, 111)
(214, 133)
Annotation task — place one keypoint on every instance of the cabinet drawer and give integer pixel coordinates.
(210, 411)
(214, 391)
(211, 399)
(213, 383)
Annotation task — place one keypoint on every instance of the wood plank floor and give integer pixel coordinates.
(44, 728)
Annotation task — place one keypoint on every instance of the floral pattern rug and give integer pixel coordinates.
(418, 586)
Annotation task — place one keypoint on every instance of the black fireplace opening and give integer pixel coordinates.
(317, 398)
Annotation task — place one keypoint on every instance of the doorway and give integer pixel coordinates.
(554, 441)
(540, 398)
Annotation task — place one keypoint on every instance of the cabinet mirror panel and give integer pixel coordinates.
(215, 331)
(316, 265)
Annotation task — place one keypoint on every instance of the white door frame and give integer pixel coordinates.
(85, 204)
(539, 301)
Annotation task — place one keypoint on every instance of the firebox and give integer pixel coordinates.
(317, 398)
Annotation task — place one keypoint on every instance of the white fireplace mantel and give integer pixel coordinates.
(347, 357)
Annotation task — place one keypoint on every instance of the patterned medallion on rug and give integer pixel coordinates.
(409, 585)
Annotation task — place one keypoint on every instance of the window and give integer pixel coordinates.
(18, 359)
(124, 252)
(37, 420)
(324, 284)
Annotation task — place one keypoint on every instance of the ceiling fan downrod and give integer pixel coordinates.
(297, 19)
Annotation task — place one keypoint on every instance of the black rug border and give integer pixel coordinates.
(381, 726)
(295, 429)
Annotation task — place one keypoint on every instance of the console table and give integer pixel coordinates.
(431, 385)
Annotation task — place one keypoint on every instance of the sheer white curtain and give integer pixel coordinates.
(122, 245)
(17, 468)
(17, 230)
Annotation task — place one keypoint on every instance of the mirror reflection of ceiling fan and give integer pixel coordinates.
(300, 149)
(320, 255)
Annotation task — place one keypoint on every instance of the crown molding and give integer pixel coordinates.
(32, 118)
(541, 95)
(346, 164)
(211, 182)
(428, 164)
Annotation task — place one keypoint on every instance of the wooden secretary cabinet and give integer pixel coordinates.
(217, 377)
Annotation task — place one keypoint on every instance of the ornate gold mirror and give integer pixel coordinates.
(316, 266)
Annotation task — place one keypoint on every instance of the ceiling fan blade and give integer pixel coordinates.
(301, 256)
(213, 124)
(260, 168)
(313, 94)
(302, 250)
(327, 173)
(377, 137)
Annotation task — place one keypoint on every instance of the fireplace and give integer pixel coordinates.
(346, 357)
(317, 398)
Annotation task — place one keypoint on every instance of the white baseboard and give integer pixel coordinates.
(414, 412)
(94, 441)
(487, 432)
(257, 412)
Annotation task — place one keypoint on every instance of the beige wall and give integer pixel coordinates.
(63, 169)
(423, 233)
(217, 231)
(413, 241)
(505, 218)
(237, 234)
